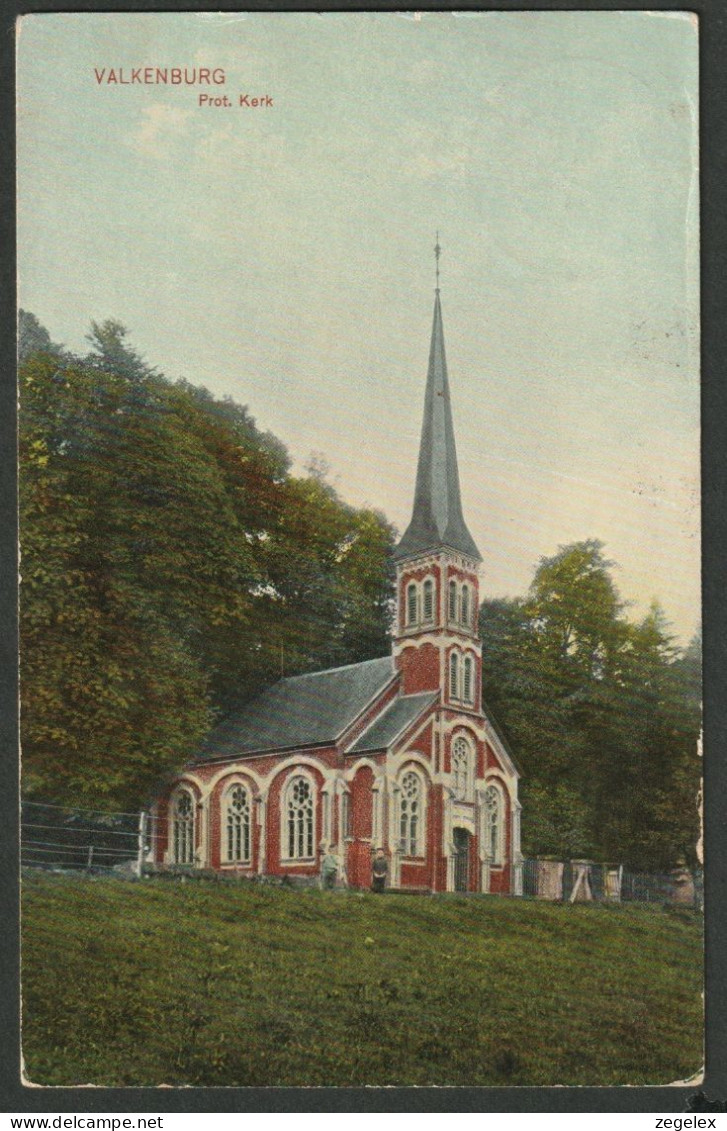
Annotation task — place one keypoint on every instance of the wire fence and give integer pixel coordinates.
(52, 836)
(91, 840)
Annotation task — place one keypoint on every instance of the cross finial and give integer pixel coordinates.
(437, 253)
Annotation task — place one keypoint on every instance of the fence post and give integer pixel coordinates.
(141, 844)
(89, 858)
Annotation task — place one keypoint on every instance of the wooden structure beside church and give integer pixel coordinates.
(394, 753)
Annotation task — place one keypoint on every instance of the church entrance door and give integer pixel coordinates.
(462, 841)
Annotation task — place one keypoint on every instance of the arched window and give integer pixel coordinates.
(299, 814)
(467, 679)
(183, 828)
(453, 600)
(453, 675)
(237, 828)
(494, 823)
(465, 606)
(461, 769)
(411, 815)
(346, 815)
(411, 604)
(428, 602)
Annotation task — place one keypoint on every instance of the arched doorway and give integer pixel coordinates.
(462, 841)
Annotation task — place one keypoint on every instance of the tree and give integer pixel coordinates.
(111, 353)
(600, 714)
(168, 556)
(34, 338)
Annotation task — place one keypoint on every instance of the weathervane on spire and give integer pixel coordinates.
(437, 253)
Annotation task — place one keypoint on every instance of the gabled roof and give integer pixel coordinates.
(397, 717)
(305, 710)
(437, 518)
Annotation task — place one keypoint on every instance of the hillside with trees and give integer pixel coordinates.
(173, 565)
(603, 715)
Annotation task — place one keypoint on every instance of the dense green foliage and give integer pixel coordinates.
(171, 565)
(603, 715)
(272, 987)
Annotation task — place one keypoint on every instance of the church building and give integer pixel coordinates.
(394, 753)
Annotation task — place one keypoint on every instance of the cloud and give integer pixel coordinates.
(160, 128)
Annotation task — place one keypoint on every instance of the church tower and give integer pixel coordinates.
(436, 642)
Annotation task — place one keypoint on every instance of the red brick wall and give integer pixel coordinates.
(273, 864)
(500, 880)
(419, 667)
(439, 863)
(473, 880)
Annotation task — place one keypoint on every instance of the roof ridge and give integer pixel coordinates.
(431, 696)
(326, 671)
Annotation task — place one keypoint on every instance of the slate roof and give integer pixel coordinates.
(304, 710)
(399, 715)
(437, 518)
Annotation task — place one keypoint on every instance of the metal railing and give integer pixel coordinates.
(52, 836)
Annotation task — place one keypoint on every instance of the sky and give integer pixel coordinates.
(283, 254)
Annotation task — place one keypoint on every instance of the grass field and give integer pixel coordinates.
(202, 983)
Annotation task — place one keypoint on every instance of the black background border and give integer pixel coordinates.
(713, 185)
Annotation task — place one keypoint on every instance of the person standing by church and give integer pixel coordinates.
(379, 871)
(329, 869)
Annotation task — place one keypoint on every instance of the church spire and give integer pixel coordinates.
(437, 518)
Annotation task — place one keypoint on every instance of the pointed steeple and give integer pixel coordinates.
(437, 518)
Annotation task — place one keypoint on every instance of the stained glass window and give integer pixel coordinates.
(238, 826)
(299, 815)
(461, 768)
(494, 823)
(410, 815)
(183, 828)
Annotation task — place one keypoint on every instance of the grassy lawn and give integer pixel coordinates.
(162, 982)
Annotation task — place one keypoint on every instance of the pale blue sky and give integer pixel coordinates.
(284, 256)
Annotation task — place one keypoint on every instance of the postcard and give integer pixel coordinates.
(360, 603)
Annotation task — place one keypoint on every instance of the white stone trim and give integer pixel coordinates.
(484, 852)
(399, 760)
(496, 742)
(392, 790)
(328, 773)
(350, 773)
(262, 815)
(517, 856)
(230, 770)
(326, 817)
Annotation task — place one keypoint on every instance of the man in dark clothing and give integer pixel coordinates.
(379, 870)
